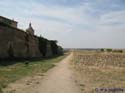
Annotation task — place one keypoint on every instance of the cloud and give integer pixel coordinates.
(114, 18)
(74, 23)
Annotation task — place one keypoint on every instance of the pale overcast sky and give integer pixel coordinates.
(74, 23)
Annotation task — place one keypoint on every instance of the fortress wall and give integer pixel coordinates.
(34, 47)
(5, 38)
(49, 50)
(17, 43)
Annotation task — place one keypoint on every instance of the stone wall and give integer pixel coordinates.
(8, 21)
(6, 37)
(60, 50)
(49, 50)
(16, 43)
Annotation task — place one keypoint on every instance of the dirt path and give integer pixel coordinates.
(60, 79)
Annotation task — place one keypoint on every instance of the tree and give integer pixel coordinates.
(54, 47)
(43, 45)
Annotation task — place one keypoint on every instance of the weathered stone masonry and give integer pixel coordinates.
(19, 43)
(16, 43)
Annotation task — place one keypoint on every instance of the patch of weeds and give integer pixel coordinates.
(3, 85)
(1, 90)
(11, 73)
(82, 85)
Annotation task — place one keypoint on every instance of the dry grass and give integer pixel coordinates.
(9, 74)
(99, 70)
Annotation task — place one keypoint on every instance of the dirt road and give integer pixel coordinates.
(60, 79)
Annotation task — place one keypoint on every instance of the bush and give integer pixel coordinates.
(26, 63)
(102, 50)
(118, 51)
(43, 45)
(1, 90)
(54, 47)
(109, 50)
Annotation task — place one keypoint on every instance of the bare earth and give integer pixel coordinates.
(60, 79)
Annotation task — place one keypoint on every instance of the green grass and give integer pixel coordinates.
(17, 71)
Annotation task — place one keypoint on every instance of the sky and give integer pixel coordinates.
(73, 23)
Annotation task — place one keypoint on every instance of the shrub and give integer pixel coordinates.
(102, 50)
(118, 51)
(54, 47)
(109, 50)
(26, 63)
(1, 90)
(43, 45)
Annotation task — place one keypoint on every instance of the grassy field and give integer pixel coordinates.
(100, 72)
(17, 71)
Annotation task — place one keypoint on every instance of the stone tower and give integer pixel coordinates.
(30, 30)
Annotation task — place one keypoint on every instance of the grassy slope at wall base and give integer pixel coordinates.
(11, 61)
(20, 70)
(1, 90)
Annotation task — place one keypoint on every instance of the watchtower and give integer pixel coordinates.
(30, 30)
